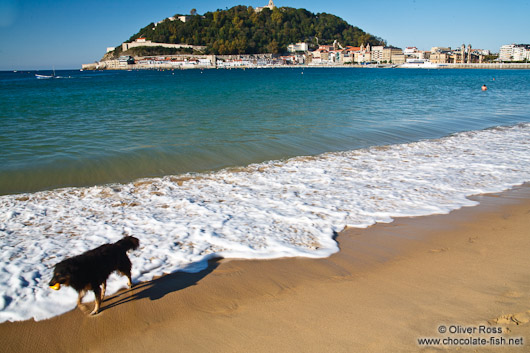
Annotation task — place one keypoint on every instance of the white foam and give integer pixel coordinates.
(268, 210)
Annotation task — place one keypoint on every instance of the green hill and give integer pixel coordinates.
(241, 30)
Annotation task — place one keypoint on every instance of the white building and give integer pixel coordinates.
(520, 53)
(410, 51)
(270, 6)
(506, 52)
(377, 53)
(293, 48)
(514, 52)
(413, 52)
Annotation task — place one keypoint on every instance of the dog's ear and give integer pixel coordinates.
(65, 269)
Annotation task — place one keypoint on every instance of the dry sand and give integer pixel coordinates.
(389, 285)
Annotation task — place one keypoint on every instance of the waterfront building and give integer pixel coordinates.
(349, 54)
(336, 56)
(438, 57)
(514, 52)
(383, 54)
(393, 55)
(411, 51)
(320, 56)
(414, 53)
(398, 58)
(364, 55)
(328, 54)
(377, 53)
(462, 55)
(506, 52)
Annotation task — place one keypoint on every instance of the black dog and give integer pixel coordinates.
(91, 269)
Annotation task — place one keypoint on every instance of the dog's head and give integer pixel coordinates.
(61, 276)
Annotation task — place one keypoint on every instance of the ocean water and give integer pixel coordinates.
(238, 163)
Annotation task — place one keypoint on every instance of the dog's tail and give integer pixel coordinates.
(128, 243)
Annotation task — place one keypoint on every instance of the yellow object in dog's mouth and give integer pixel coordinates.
(56, 286)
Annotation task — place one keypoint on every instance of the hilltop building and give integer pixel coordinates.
(270, 6)
(183, 18)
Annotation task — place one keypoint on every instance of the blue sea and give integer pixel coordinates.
(89, 128)
(256, 163)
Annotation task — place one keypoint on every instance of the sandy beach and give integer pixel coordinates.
(462, 278)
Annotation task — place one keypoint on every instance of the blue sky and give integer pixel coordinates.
(65, 34)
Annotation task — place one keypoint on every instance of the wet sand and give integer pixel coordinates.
(390, 285)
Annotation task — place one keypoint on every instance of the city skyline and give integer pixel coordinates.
(65, 34)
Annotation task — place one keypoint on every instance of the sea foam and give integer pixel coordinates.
(268, 210)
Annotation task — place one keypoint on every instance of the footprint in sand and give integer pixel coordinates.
(513, 319)
(512, 294)
(434, 251)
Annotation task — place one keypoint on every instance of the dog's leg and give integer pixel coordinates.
(129, 279)
(124, 267)
(103, 289)
(80, 296)
(97, 294)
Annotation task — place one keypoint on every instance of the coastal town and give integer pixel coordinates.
(335, 55)
(300, 54)
(306, 54)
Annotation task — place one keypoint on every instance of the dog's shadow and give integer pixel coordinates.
(159, 287)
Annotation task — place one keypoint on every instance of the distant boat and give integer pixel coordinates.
(44, 77)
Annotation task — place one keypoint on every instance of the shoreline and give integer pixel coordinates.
(102, 66)
(388, 285)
